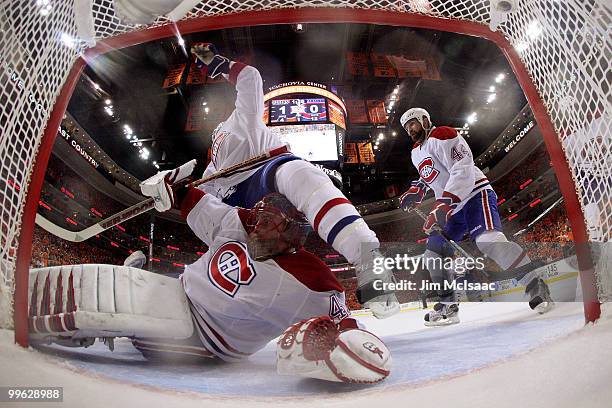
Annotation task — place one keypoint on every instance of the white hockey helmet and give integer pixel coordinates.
(415, 113)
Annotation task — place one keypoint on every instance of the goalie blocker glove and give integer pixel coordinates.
(318, 348)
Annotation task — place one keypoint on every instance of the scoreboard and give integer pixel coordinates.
(298, 110)
(312, 120)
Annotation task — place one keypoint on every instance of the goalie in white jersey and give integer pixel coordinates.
(465, 202)
(255, 283)
(256, 280)
(333, 217)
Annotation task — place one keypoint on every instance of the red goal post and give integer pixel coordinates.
(559, 52)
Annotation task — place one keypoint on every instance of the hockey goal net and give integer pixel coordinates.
(559, 51)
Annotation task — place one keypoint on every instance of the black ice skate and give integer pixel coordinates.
(443, 315)
(539, 296)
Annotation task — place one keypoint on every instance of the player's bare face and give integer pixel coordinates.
(415, 130)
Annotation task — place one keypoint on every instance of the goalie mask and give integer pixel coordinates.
(275, 227)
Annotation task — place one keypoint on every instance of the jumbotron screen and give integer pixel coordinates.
(313, 142)
(298, 110)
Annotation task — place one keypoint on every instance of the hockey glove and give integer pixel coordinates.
(439, 216)
(318, 348)
(162, 185)
(414, 196)
(207, 55)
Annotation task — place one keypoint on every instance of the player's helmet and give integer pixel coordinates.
(275, 227)
(414, 113)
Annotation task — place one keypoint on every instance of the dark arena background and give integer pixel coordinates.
(129, 102)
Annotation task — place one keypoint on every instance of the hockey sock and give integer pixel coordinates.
(434, 263)
(330, 213)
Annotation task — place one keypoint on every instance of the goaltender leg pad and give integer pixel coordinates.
(106, 301)
(315, 348)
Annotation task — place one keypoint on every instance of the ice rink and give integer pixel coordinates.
(492, 336)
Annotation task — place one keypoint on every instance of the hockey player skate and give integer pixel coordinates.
(535, 287)
(539, 296)
(382, 302)
(443, 314)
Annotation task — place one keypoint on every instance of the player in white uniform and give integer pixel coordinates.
(465, 202)
(256, 280)
(254, 283)
(332, 215)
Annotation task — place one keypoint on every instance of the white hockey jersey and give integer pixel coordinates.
(243, 135)
(242, 304)
(446, 165)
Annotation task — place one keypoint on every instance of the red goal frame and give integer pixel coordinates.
(292, 16)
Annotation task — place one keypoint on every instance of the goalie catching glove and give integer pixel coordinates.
(318, 348)
(162, 186)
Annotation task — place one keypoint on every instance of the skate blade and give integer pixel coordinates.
(443, 322)
(544, 307)
(541, 304)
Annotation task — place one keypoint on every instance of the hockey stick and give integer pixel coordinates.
(444, 235)
(149, 203)
(539, 217)
(448, 239)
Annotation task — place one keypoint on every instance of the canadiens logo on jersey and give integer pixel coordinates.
(230, 267)
(427, 171)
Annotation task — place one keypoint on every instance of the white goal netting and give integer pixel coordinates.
(564, 45)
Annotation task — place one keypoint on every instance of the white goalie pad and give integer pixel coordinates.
(315, 348)
(106, 301)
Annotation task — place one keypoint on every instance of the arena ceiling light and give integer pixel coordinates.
(472, 118)
(500, 77)
(299, 28)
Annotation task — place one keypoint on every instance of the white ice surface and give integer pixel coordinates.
(502, 354)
